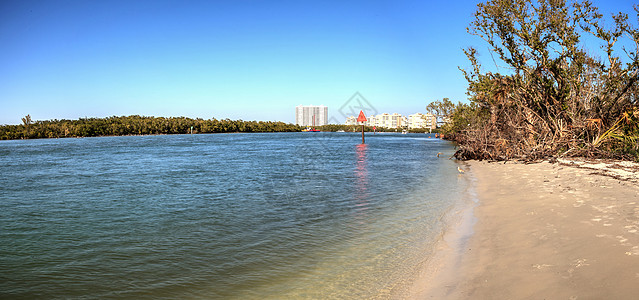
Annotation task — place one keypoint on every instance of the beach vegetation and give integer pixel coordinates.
(565, 82)
(135, 125)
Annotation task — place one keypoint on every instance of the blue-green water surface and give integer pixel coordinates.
(225, 216)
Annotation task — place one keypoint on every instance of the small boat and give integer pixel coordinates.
(311, 129)
(404, 131)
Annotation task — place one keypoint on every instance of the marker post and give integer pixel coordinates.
(362, 118)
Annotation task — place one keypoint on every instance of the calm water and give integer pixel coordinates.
(240, 216)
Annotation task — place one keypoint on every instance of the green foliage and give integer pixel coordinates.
(623, 136)
(443, 108)
(27, 120)
(338, 127)
(464, 117)
(134, 125)
(556, 96)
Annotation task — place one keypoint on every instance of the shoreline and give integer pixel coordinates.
(437, 277)
(560, 231)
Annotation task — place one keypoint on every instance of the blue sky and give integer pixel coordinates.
(250, 60)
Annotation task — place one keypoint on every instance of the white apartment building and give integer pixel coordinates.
(306, 115)
(419, 120)
(352, 120)
(372, 121)
(382, 120)
(403, 121)
(431, 121)
(391, 121)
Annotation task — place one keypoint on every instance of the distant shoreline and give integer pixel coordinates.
(135, 125)
(142, 126)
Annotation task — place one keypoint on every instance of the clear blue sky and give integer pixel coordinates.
(251, 60)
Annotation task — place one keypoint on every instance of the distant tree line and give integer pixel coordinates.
(553, 97)
(134, 125)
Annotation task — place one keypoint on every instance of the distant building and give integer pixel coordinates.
(419, 120)
(390, 121)
(382, 120)
(431, 121)
(402, 122)
(305, 115)
(372, 121)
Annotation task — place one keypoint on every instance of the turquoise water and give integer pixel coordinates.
(225, 216)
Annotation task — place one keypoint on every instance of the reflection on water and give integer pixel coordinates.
(361, 177)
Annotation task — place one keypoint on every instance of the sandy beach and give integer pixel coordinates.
(543, 231)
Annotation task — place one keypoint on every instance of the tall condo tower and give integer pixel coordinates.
(304, 115)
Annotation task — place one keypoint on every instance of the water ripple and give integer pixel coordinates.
(236, 216)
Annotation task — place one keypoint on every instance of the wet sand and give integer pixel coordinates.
(542, 231)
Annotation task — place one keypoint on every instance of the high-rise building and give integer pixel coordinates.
(306, 115)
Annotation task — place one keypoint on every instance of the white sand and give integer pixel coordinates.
(544, 231)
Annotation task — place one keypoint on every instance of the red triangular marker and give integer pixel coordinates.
(362, 117)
